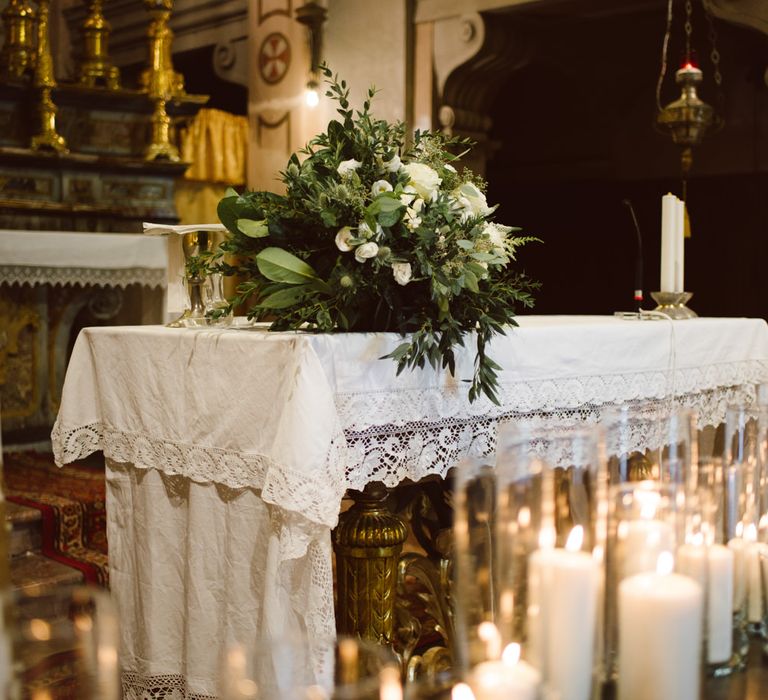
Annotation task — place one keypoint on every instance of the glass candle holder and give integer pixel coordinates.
(550, 542)
(295, 669)
(743, 456)
(654, 617)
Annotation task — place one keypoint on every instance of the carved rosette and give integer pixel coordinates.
(367, 542)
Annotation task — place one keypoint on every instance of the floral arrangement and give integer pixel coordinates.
(376, 232)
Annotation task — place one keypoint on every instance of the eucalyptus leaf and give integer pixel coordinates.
(283, 298)
(278, 265)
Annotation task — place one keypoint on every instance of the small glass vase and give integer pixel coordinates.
(217, 310)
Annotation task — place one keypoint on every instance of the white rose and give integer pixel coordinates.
(393, 165)
(380, 186)
(472, 201)
(365, 251)
(424, 179)
(342, 239)
(348, 166)
(402, 272)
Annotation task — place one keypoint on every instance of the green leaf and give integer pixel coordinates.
(253, 229)
(465, 244)
(283, 298)
(230, 192)
(470, 281)
(278, 265)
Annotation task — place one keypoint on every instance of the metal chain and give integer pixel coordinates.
(664, 57)
(688, 28)
(714, 56)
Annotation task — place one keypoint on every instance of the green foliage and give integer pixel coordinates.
(376, 234)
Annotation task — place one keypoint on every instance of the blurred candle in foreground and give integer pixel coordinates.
(660, 628)
(503, 679)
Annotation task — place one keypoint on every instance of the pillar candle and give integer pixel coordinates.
(754, 581)
(660, 626)
(738, 546)
(668, 247)
(563, 590)
(679, 245)
(712, 568)
(496, 680)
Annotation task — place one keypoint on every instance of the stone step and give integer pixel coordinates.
(32, 574)
(25, 534)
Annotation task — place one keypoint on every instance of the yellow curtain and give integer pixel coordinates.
(216, 145)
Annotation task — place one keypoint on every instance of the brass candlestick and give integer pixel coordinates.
(673, 304)
(96, 69)
(44, 81)
(17, 58)
(160, 80)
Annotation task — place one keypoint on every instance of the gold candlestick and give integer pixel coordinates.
(44, 81)
(96, 68)
(17, 57)
(160, 80)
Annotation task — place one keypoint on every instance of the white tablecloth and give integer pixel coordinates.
(65, 257)
(229, 451)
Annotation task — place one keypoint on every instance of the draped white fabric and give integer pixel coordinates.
(229, 451)
(66, 257)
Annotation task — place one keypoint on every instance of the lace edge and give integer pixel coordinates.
(71, 276)
(136, 686)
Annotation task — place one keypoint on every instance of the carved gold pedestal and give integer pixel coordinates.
(367, 542)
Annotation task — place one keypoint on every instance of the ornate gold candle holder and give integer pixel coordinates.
(160, 80)
(18, 57)
(673, 304)
(47, 138)
(96, 69)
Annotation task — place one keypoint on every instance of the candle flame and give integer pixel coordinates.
(665, 564)
(511, 654)
(763, 521)
(750, 533)
(461, 691)
(524, 516)
(391, 688)
(547, 537)
(489, 633)
(649, 504)
(739, 529)
(575, 539)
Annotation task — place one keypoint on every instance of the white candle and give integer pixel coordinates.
(679, 245)
(712, 568)
(738, 546)
(659, 637)
(643, 542)
(563, 588)
(497, 680)
(668, 247)
(754, 581)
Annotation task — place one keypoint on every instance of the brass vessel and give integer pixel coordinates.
(18, 57)
(96, 69)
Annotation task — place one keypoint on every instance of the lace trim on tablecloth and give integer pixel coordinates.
(366, 410)
(315, 496)
(392, 453)
(165, 687)
(146, 277)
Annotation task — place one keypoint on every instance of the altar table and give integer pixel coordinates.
(228, 453)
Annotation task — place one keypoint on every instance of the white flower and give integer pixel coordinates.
(393, 165)
(424, 180)
(409, 194)
(412, 219)
(364, 231)
(402, 272)
(365, 251)
(380, 186)
(472, 201)
(417, 205)
(497, 235)
(342, 239)
(348, 166)
(449, 167)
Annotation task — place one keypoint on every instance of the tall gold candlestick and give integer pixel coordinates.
(44, 80)
(17, 57)
(160, 80)
(96, 67)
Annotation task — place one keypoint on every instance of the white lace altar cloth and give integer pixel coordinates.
(69, 258)
(228, 452)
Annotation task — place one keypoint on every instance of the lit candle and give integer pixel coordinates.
(668, 247)
(712, 568)
(738, 546)
(660, 625)
(506, 678)
(679, 245)
(563, 590)
(753, 579)
(643, 541)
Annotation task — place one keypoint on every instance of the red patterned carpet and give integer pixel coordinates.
(71, 501)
